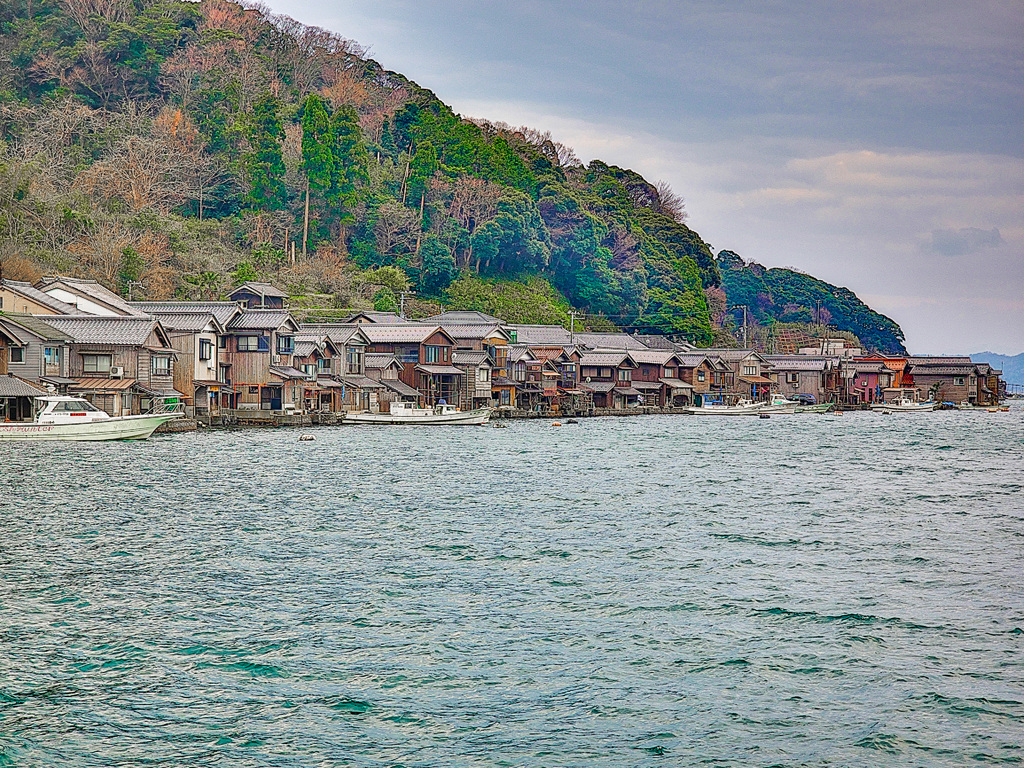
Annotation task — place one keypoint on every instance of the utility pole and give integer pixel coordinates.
(744, 308)
(131, 284)
(572, 328)
(401, 302)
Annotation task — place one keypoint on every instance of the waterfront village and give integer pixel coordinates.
(249, 360)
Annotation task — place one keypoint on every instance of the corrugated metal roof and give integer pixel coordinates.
(362, 382)
(103, 385)
(91, 329)
(799, 362)
(91, 290)
(440, 369)
(400, 387)
(676, 383)
(15, 386)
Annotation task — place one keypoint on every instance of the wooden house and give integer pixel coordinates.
(34, 350)
(950, 379)
(122, 364)
(704, 378)
(197, 373)
(17, 395)
(747, 375)
(868, 381)
(426, 355)
(477, 371)
(807, 375)
(353, 389)
(491, 339)
(254, 295)
(259, 346)
(386, 369)
(895, 363)
(86, 296)
(609, 375)
(24, 298)
(656, 377)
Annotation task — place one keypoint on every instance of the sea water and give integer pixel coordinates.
(803, 590)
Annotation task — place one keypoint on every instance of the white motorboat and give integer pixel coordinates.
(780, 404)
(905, 404)
(74, 418)
(406, 413)
(742, 408)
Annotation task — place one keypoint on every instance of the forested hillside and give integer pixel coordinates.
(787, 296)
(172, 148)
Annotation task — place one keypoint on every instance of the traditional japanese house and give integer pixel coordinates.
(386, 369)
(478, 372)
(895, 363)
(609, 375)
(87, 296)
(816, 377)
(748, 373)
(17, 395)
(952, 379)
(489, 338)
(23, 298)
(259, 346)
(652, 373)
(696, 377)
(868, 381)
(390, 318)
(122, 364)
(254, 295)
(990, 386)
(426, 355)
(354, 390)
(314, 355)
(34, 350)
(608, 341)
(196, 336)
(538, 390)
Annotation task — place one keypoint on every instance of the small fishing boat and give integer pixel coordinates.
(742, 408)
(780, 404)
(406, 413)
(74, 418)
(815, 408)
(905, 405)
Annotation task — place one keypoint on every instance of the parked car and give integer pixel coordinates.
(804, 399)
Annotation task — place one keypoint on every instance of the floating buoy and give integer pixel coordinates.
(572, 421)
(887, 413)
(306, 438)
(764, 415)
(556, 423)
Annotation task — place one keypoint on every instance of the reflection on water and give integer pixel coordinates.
(805, 590)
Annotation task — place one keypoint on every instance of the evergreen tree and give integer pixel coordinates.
(350, 162)
(317, 155)
(264, 164)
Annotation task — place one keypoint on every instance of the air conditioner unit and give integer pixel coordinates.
(116, 372)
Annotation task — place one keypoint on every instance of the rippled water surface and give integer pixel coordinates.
(666, 590)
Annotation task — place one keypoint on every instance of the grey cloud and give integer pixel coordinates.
(960, 242)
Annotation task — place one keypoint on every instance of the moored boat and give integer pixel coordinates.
(405, 413)
(815, 408)
(74, 418)
(742, 408)
(904, 405)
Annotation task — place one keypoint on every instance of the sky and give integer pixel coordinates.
(875, 145)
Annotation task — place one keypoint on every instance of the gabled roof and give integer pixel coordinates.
(338, 333)
(123, 331)
(693, 360)
(541, 335)
(222, 310)
(652, 356)
(800, 362)
(34, 294)
(606, 359)
(942, 370)
(470, 357)
(36, 326)
(262, 289)
(400, 387)
(375, 360)
(462, 317)
(262, 320)
(13, 386)
(406, 333)
(306, 348)
(730, 355)
(609, 341)
(187, 321)
(90, 290)
(376, 317)
(936, 360)
(518, 352)
(480, 331)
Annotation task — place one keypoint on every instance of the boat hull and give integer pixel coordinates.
(903, 407)
(818, 408)
(118, 428)
(462, 418)
(726, 410)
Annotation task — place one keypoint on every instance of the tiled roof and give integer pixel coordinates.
(730, 355)
(378, 317)
(865, 366)
(222, 310)
(184, 321)
(339, 333)
(676, 384)
(598, 386)
(264, 289)
(541, 335)
(91, 290)
(407, 333)
(400, 387)
(91, 329)
(604, 358)
(380, 360)
(306, 348)
(287, 372)
(691, 360)
(949, 360)
(609, 341)
(465, 331)
(517, 352)
(470, 357)
(942, 370)
(260, 320)
(13, 386)
(440, 369)
(651, 356)
(36, 325)
(362, 382)
(30, 292)
(799, 362)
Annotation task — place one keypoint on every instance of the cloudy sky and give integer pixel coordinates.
(876, 145)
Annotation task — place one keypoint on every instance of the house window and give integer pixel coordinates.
(309, 369)
(253, 344)
(323, 365)
(96, 363)
(959, 381)
(625, 374)
(431, 354)
(285, 345)
(17, 354)
(354, 359)
(750, 370)
(606, 373)
(670, 373)
(51, 355)
(205, 349)
(483, 374)
(701, 375)
(521, 371)
(792, 378)
(506, 397)
(222, 342)
(161, 366)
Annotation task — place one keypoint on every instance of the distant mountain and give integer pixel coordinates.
(1012, 367)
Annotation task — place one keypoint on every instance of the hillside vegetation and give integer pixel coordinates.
(171, 148)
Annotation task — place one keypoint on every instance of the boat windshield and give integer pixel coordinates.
(73, 405)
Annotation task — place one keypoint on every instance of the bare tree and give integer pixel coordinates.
(671, 204)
